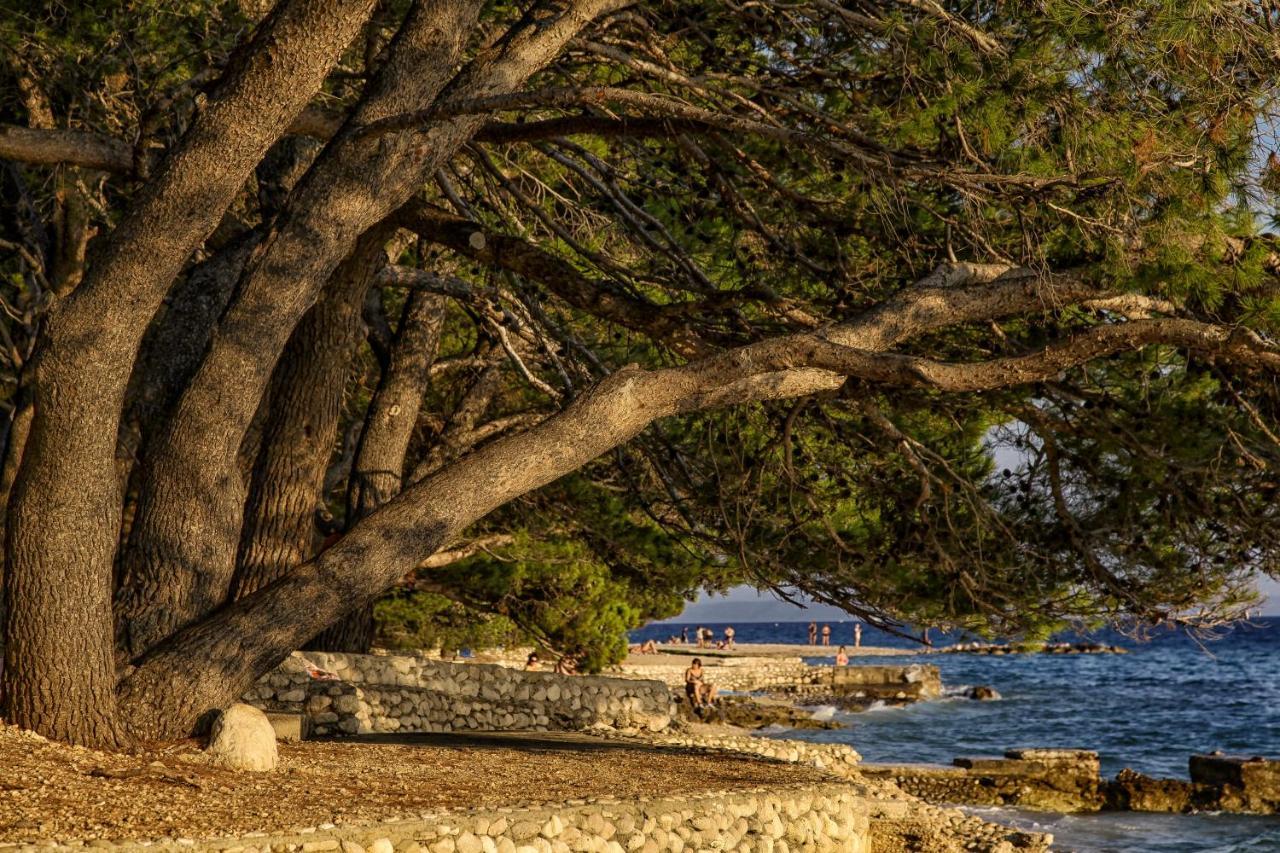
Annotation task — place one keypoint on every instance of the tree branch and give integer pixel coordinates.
(389, 543)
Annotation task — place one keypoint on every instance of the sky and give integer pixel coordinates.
(744, 604)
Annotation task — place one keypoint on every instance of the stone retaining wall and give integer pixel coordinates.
(390, 693)
(836, 758)
(824, 818)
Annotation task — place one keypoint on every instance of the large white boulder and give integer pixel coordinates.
(242, 738)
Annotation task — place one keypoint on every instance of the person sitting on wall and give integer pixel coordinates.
(701, 693)
(842, 657)
(531, 662)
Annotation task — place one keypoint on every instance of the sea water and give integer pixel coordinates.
(1149, 710)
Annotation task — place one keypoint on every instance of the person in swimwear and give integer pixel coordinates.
(700, 692)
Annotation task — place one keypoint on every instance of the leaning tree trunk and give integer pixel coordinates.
(187, 525)
(388, 427)
(59, 673)
(212, 662)
(178, 336)
(180, 558)
(286, 487)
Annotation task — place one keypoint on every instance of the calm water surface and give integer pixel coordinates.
(1148, 710)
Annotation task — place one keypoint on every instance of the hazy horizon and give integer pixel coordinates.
(745, 604)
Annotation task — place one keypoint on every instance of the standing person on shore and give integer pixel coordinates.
(857, 635)
(700, 636)
(826, 635)
(728, 637)
(813, 633)
(684, 635)
(842, 657)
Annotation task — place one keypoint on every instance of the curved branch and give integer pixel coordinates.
(653, 106)
(215, 661)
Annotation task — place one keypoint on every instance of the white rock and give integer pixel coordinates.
(242, 739)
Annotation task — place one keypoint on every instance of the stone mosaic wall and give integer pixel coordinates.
(385, 693)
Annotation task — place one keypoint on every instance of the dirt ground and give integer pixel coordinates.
(51, 791)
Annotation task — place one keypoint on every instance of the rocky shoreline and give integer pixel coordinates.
(1030, 649)
(1069, 781)
(1051, 779)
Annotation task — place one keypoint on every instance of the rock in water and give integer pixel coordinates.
(242, 739)
(982, 693)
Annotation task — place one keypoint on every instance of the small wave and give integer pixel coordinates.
(823, 713)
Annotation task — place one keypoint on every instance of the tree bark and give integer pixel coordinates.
(187, 524)
(174, 343)
(307, 390)
(185, 535)
(64, 513)
(377, 472)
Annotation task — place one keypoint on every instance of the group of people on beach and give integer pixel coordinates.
(826, 635)
(703, 638)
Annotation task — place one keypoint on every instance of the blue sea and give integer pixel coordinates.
(1149, 710)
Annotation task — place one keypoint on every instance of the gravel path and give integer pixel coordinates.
(49, 790)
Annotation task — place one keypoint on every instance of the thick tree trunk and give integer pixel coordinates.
(179, 334)
(64, 513)
(307, 389)
(185, 534)
(380, 457)
(353, 633)
(174, 342)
